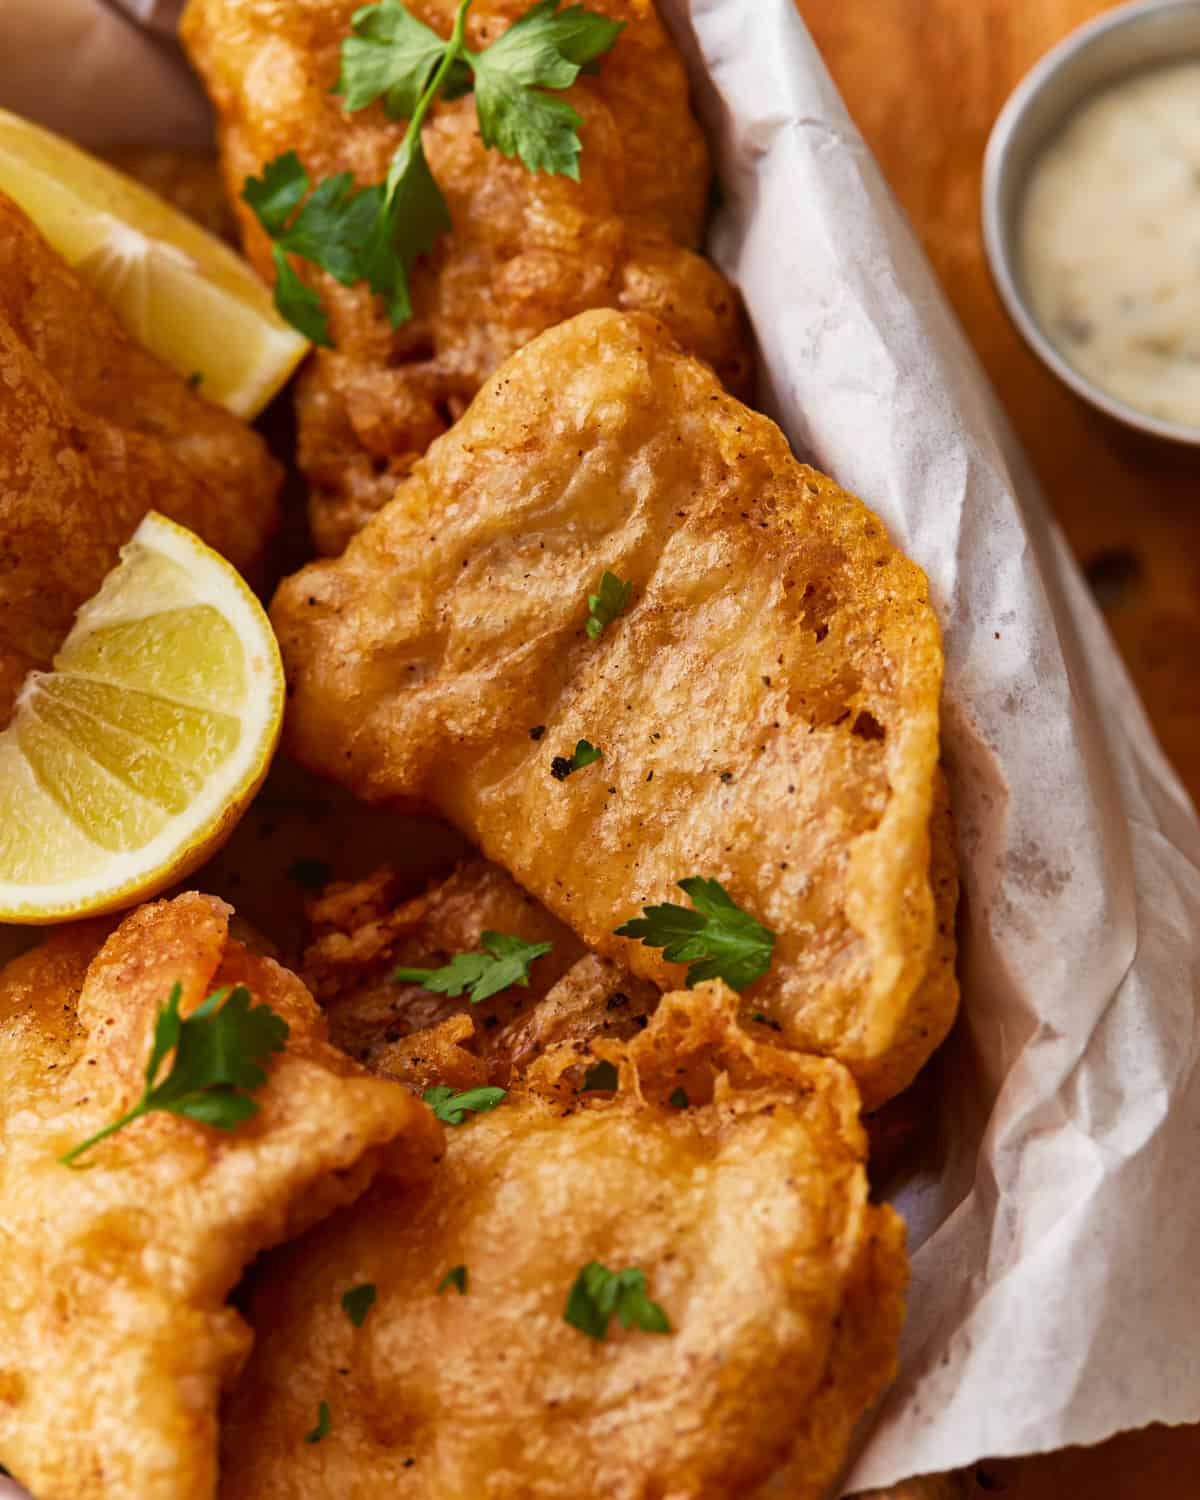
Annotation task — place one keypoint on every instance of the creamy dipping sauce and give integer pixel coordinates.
(1110, 241)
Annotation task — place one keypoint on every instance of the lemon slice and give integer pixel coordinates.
(126, 766)
(177, 289)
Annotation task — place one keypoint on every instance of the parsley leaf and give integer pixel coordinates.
(452, 1108)
(679, 1099)
(601, 1075)
(455, 1276)
(324, 1426)
(391, 55)
(610, 600)
(298, 303)
(718, 940)
(506, 962)
(544, 49)
(598, 1293)
(275, 194)
(358, 1301)
(332, 229)
(583, 754)
(219, 1051)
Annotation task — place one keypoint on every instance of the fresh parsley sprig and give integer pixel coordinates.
(598, 1293)
(506, 961)
(220, 1050)
(332, 229)
(610, 600)
(717, 939)
(375, 233)
(452, 1108)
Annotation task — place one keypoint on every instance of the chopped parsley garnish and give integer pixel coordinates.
(609, 601)
(598, 1293)
(375, 233)
(455, 1276)
(506, 961)
(452, 1108)
(679, 1099)
(602, 1075)
(324, 1426)
(718, 940)
(583, 754)
(358, 1301)
(220, 1050)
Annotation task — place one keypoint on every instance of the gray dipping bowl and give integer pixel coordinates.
(1126, 40)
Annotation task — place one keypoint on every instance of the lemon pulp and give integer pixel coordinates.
(130, 761)
(177, 289)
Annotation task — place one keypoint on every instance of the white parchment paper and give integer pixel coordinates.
(1056, 1290)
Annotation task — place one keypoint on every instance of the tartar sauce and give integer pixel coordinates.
(1110, 241)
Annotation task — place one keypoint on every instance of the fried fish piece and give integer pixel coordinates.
(400, 1029)
(766, 705)
(115, 1336)
(525, 251)
(747, 1211)
(94, 432)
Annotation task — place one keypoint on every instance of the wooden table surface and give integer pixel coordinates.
(925, 80)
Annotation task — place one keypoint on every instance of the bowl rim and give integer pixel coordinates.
(995, 239)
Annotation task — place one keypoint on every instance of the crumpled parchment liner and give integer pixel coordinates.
(1056, 1292)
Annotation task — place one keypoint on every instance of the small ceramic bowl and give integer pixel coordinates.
(1126, 40)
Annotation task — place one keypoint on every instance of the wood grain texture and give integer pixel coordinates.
(925, 80)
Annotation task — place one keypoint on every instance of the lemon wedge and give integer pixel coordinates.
(130, 762)
(178, 290)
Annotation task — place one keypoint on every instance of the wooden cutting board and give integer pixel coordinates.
(925, 80)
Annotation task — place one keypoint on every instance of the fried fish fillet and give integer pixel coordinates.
(115, 1336)
(747, 1211)
(364, 934)
(525, 251)
(94, 432)
(767, 705)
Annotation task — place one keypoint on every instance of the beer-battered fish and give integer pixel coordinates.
(364, 935)
(525, 251)
(94, 432)
(115, 1336)
(765, 701)
(746, 1210)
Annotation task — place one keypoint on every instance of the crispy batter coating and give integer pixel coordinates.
(747, 1211)
(401, 1030)
(526, 251)
(767, 706)
(94, 432)
(115, 1337)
